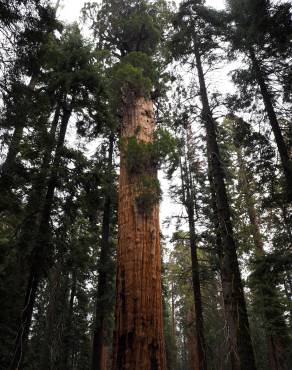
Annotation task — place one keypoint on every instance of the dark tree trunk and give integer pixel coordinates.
(8, 169)
(9, 164)
(40, 251)
(57, 311)
(51, 347)
(218, 246)
(234, 302)
(200, 338)
(173, 326)
(276, 345)
(189, 199)
(281, 145)
(66, 361)
(102, 302)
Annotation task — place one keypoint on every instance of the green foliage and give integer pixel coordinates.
(141, 156)
(141, 29)
(138, 155)
(133, 25)
(268, 300)
(166, 147)
(261, 23)
(130, 32)
(136, 72)
(148, 193)
(73, 75)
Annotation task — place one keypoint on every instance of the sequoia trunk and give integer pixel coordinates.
(242, 355)
(138, 336)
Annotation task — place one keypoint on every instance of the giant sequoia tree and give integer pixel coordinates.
(71, 113)
(133, 33)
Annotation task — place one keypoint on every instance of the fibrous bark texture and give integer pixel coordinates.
(138, 336)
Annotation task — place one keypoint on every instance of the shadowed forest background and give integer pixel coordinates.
(146, 104)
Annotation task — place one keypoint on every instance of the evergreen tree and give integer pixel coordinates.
(75, 92)
(262, 30)
(72, 242)
(198, 38)
(132, 34)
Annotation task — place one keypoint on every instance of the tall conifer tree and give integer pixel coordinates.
(131, 30)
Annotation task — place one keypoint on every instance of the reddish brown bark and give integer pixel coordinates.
(104, 357)
(138, 336)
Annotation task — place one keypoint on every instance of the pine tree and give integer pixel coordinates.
(74, 97)
(198, 41)
(103, 303)
(261, 31)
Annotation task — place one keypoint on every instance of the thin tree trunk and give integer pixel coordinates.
(40, 253)
(193, 359)
(234, 302)
(138, 337)
(189, 199)
(67, 358)
(54, 333)
(51, 344)
(199, 327)
(281, 145)
(99, 351)
(276, 346)
(250, 205)
(17, 135)
(288, 292)
(37, 196)
(219, 252)
(173, 326)
(8, 167)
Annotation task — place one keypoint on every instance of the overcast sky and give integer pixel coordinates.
(70, 9)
